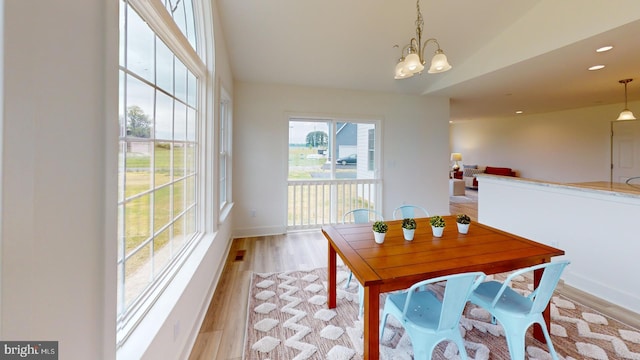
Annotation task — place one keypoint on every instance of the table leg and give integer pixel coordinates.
(332, 277)
(546, 314)
(371, 322)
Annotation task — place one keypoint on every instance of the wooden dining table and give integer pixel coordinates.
(397, 264)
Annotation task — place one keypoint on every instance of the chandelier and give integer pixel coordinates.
(412, 55)
(626, 114)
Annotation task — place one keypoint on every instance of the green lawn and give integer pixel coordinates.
(138, 224)
(300, 163)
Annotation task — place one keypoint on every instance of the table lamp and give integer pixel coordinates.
(455, 157)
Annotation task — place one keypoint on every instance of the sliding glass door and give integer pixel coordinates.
(333, 168)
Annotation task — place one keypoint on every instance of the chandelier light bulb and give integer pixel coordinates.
(412, 63)
(439, 63)
(400, 71)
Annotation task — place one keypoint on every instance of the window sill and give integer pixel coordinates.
(152, 322)
(225, 212)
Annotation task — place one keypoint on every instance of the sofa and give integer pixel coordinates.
(469, 172)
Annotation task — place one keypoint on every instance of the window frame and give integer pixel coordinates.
(303, 210)
(225, 152)
(163, 26)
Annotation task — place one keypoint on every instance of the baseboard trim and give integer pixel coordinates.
(612, 310)
(259, 231)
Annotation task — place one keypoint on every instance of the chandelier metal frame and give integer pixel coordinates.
(412, 59)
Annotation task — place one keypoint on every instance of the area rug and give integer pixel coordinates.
(288, 318)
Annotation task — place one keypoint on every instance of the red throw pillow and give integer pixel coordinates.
(498, 171)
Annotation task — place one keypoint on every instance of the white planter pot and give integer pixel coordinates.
(463, 228)
(437, 231)
(379, 237)
(408, 233)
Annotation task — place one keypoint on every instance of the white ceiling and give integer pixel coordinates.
(506, 55)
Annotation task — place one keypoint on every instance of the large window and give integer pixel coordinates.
(159, 176)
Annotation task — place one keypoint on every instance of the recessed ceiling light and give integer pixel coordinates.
(519, 112)
(596, 67)
(604, 48)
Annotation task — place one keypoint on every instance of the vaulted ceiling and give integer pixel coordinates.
(506, 55)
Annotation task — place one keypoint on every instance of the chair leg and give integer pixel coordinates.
(422, 349)
(361, 300)
(346, 286)
(547, 337)
(461, 350)
(383, 323)
(515, 342)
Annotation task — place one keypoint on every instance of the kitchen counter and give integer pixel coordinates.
(597, 187)
(593, 222)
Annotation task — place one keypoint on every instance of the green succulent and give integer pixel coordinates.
(409, 223)
(380, 227)
(463, 219)
(437, 221)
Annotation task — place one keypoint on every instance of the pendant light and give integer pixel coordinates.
(626, 114)
(412, 60)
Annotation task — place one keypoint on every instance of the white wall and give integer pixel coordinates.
(565, 146)
(59, 185)
(592, 227)
(222, 68)
(54, 175)
(415, 147)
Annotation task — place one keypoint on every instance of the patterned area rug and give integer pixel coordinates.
(289, 319)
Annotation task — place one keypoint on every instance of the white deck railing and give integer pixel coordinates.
(316, 203)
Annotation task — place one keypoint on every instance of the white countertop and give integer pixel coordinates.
(602, 187)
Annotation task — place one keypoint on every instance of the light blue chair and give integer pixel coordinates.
(409, 211)
(516, 312)
(360, 216)
(428, 320)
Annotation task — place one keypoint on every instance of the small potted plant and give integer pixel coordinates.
(437, 225)
(463, 221)
(408, 228)
(379, 231)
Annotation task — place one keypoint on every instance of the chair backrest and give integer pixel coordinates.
(409, 211)
(457, 289)
(361, 216)
(542, 294)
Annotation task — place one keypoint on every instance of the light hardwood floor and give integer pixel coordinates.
(469, 208)
(222, 332)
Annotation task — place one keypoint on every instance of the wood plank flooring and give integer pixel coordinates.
(222, 331)
(470, 208)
